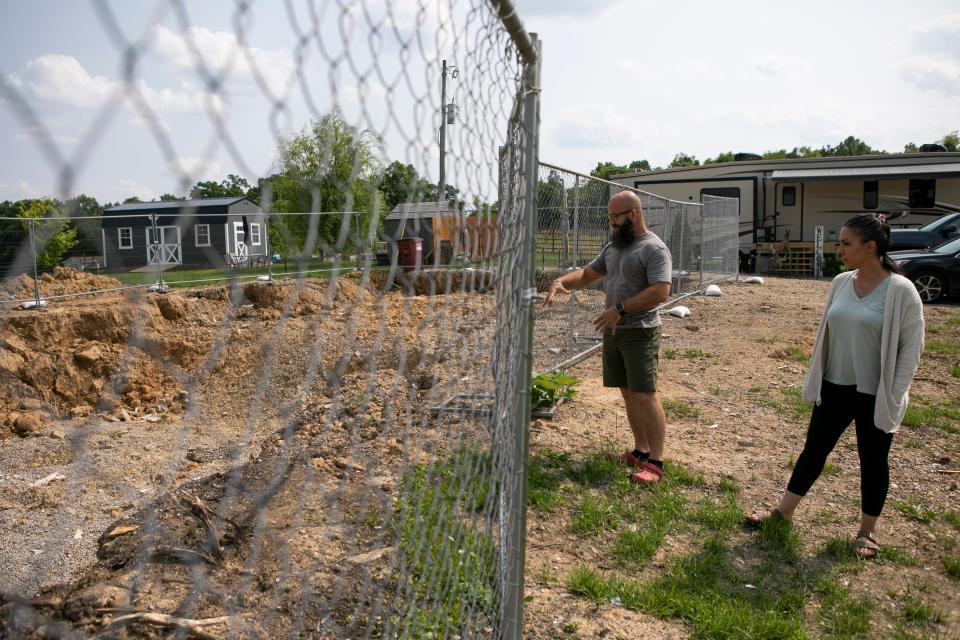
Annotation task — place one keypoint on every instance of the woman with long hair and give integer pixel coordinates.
(866, 352)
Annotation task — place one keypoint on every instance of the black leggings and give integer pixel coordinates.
(839, 405)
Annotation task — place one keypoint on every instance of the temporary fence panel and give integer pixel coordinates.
(306, 436)
(572, 229)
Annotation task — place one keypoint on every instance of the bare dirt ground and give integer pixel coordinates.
(129, 421)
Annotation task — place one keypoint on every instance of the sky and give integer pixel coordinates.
(107, 98)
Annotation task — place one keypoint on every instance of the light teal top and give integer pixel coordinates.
(854, 328)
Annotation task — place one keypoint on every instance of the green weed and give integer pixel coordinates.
(915, 511)
(951, 566)
(679, 409)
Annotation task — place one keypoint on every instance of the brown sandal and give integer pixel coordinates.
(865, 545)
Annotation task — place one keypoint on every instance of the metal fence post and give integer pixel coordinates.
(515, 483)
(565, 229)
(156, 252)
(683, 223)
(703, 244)
(266, 248)
(36, 275)
(576, 256)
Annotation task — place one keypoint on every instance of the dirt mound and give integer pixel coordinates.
(63, 281)
(311, 296)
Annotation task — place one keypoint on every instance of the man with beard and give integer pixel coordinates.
(637, 266)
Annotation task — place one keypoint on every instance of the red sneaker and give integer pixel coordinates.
(648, 474)
(626, 458)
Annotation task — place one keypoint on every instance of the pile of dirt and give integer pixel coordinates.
(303, 298)
(62, 281)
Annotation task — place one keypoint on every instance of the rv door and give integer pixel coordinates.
(788, 211)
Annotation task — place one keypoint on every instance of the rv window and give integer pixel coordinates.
(871, 191)
(922, 193)
(789, 197)
(720, 192)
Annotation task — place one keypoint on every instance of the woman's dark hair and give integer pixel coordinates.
(873, 226)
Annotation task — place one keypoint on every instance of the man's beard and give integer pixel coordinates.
(624, 236)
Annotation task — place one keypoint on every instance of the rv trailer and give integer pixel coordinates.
(798, 195)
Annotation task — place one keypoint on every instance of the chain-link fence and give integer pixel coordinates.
(572, 228)
(254, 430)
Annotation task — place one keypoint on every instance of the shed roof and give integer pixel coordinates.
(414, 210)
(178, 204)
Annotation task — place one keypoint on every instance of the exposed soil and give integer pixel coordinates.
(154, 409)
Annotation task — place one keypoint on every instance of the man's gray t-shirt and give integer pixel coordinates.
(631, 270)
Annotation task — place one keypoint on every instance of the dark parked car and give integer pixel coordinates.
(935, 272)
(929, 235)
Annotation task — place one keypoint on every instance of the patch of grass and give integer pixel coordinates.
(796, 408)
(953, 321)
(952, 518)
(593, 515)
(586, 582)
(899, 557)
(638, 545)
(768, 339)
(717, 392)
(594, 469)
(680, 475)
(914, 443)
(951, 566)
(944, 417)
(796, 353)
(695, 354)
(916, 512)
(670, 354)
(943, 347)
(679, 409)
(432, 525)
(830, 469)
(916, 611)
(570, 627)
(545, 476)
(717, 515)
(955, 371)
(728, 485)
(757, 389)
(841, 615)
(778, 537)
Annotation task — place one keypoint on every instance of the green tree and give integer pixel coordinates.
(725, 156)
(401, 183)
(911, 147)
(169, 197)
(605, 170)
(951, 141)
(132, 200)
(86, 213)
(53, 238)
(684, 160)
(233, 187)
(851, 146)
(329, 166)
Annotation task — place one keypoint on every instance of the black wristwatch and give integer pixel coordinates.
(620, 309)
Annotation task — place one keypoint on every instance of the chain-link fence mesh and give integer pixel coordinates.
(330, 441)
(572, 228)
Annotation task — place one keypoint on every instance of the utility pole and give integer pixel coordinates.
(447, 115)
(441, 196)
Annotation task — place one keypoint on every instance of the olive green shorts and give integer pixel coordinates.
(630, 358)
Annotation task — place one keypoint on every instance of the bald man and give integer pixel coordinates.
(637, 266)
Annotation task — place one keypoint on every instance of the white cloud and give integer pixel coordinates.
(222, 54)
(61, 78)
(774, 65)
(18, 189)
(932, 74)
(939, 36)
(562, 8)
(592, 124)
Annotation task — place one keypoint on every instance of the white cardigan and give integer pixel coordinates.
(901, 343)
